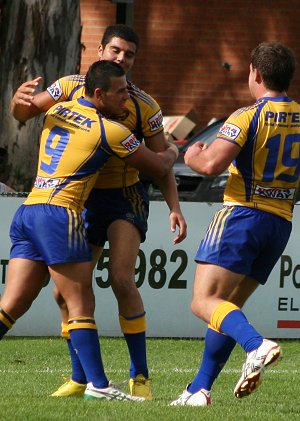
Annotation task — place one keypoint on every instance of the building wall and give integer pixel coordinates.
(196, 55)
(96, 15)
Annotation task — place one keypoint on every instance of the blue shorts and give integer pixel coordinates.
(105, 206)
(48, 233)
(245, 240)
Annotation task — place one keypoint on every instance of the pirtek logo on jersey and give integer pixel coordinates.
(74, 116)
(283, 117)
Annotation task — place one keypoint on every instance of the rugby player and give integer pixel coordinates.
(117, 209)
(47, 231)
(260, 144)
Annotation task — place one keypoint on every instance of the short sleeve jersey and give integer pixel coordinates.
(265, 175)
(76, 142)
(142, 116)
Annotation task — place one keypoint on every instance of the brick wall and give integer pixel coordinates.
(96, 15)
(183, 51)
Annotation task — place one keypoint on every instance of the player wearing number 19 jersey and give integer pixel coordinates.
(265, 174)
(261, 146)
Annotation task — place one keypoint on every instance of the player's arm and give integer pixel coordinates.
(25, 105)
(168, 188)
(213, 159)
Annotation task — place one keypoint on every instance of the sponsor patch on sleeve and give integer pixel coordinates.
(55, 90)
(156, 121)
(230, 130)
(130, 143)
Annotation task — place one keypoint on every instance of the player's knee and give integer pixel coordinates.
(123, 284)
(59, 298)
(196, 308)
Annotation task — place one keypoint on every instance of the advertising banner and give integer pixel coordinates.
(164, 275)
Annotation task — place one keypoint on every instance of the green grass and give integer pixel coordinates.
(31, 368)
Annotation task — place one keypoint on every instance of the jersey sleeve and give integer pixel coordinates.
(67, 88)
(236, 127)
(153, 121)
(118, 140)
(148, 112)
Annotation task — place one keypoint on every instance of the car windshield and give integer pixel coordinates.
(206, 135)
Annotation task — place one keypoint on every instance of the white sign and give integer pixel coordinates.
(164, 274)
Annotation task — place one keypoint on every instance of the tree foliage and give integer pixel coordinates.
(37, 38)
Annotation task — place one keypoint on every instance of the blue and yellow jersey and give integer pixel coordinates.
(76, 142)
(142, 116)
(265, 175)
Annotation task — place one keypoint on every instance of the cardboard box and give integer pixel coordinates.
(179, 126)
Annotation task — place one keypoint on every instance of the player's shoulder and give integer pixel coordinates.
(120, 136)
(141, 96)
(249, 109)
(237, 123)
(73, 78)
(63, 105)
(67, 87)
(114, 126)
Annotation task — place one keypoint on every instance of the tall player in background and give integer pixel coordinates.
(117, 209)
(261, 146)
(47, 231)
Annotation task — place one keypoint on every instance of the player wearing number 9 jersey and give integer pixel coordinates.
(76, 142)
(47, 231)
(117, 208)
(142, 116)
(261, 146)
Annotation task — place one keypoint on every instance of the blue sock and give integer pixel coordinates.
(236, 325)
(87, 346)
(217, 350)
(136, 343)
(78, 374)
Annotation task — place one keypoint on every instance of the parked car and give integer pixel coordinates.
(191, 186)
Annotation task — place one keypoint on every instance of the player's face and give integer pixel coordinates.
(119, 51)
(115, 98)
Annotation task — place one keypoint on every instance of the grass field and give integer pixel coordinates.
(31, 368)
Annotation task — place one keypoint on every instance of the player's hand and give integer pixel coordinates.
(177, 220)
(24, 94)
(194, 150)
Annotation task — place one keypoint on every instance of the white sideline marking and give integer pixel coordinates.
(122, 371)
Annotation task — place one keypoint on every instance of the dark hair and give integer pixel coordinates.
(99, 76)
(276, 64)
(120, 31)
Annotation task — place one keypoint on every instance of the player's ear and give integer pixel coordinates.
(258, 77)
(100, 51)
(98, 93)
